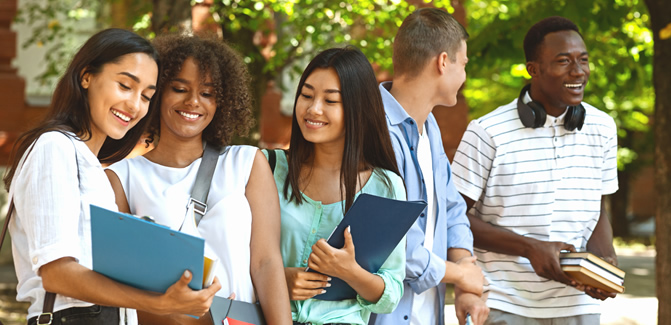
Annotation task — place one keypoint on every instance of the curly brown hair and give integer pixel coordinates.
(229, 75)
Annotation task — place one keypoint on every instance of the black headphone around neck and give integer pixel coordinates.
(533, 114)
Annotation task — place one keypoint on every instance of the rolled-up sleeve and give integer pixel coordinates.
(47, 200)
(459, 233)
(392, 273)
(423, 269)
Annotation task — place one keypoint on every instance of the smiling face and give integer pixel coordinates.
(119, 95)
(188, 103)
(560, 72)
(454, 76)
(319, 109)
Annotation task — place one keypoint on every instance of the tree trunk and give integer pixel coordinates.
(619, 201)
(171, 16)
(660, 11)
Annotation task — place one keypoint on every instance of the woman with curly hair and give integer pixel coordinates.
(203, 96)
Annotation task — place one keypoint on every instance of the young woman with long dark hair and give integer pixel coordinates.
(340, 147)
(96, 115)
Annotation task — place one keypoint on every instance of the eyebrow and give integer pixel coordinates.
(208, 84)
(135, 78)
(328, 91)
(568, 54)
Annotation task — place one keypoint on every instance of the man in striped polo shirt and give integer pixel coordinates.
(534, 173)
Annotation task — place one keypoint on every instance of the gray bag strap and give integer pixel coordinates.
(201, 188)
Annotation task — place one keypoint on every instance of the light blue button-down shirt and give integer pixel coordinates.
(424, 269)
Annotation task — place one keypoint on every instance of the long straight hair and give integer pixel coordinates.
(69, 110)
(367, 141)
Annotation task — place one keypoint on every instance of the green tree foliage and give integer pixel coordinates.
(273, 35)
(276, 35)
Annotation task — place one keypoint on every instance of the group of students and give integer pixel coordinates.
(266, 224)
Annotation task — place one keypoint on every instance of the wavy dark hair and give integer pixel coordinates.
(367, 141)
(69, 110)
(229, 76)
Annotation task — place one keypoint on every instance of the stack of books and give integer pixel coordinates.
(591, 270)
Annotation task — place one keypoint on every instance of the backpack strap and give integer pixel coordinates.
(272, 160)
(201, 188)
(6, 226)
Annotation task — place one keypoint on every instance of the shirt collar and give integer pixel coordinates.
(550, 120)
(395, 112)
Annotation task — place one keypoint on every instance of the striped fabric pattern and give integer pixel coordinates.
(544, 183)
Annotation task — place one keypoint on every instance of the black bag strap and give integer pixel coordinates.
(201, 188)
(272, 160)
(6, 226)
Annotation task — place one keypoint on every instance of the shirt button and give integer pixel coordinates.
(411, 148)
(422, 215)
(405, 317)
(305, 261)
(412, 122)
(556, 140)
(35, 260)
(314, 231)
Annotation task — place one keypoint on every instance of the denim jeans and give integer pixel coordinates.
(96, 314)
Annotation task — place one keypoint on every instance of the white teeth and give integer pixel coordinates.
(187, 115)
(123, 117)
(314, 123)
(573, 85)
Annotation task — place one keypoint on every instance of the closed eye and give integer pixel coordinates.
(178, 90)
(124, 86)
(306, 96)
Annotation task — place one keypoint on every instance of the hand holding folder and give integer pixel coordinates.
(151, 257)
(143, 254)
(377, 226)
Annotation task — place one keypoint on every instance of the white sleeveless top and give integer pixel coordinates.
(163, 193)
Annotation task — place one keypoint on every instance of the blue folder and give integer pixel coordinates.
(378, 225)
(143, 254)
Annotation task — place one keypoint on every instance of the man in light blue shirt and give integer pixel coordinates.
(429, 66)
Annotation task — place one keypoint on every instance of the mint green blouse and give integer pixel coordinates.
(303, 225)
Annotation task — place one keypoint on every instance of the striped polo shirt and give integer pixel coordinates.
(545, 183)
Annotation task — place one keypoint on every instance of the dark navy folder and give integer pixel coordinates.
(143, 254)
(378, 224)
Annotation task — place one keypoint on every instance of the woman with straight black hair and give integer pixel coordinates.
(55, 174)
(340, 147)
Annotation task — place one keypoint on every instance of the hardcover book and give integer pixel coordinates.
(591, 270)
